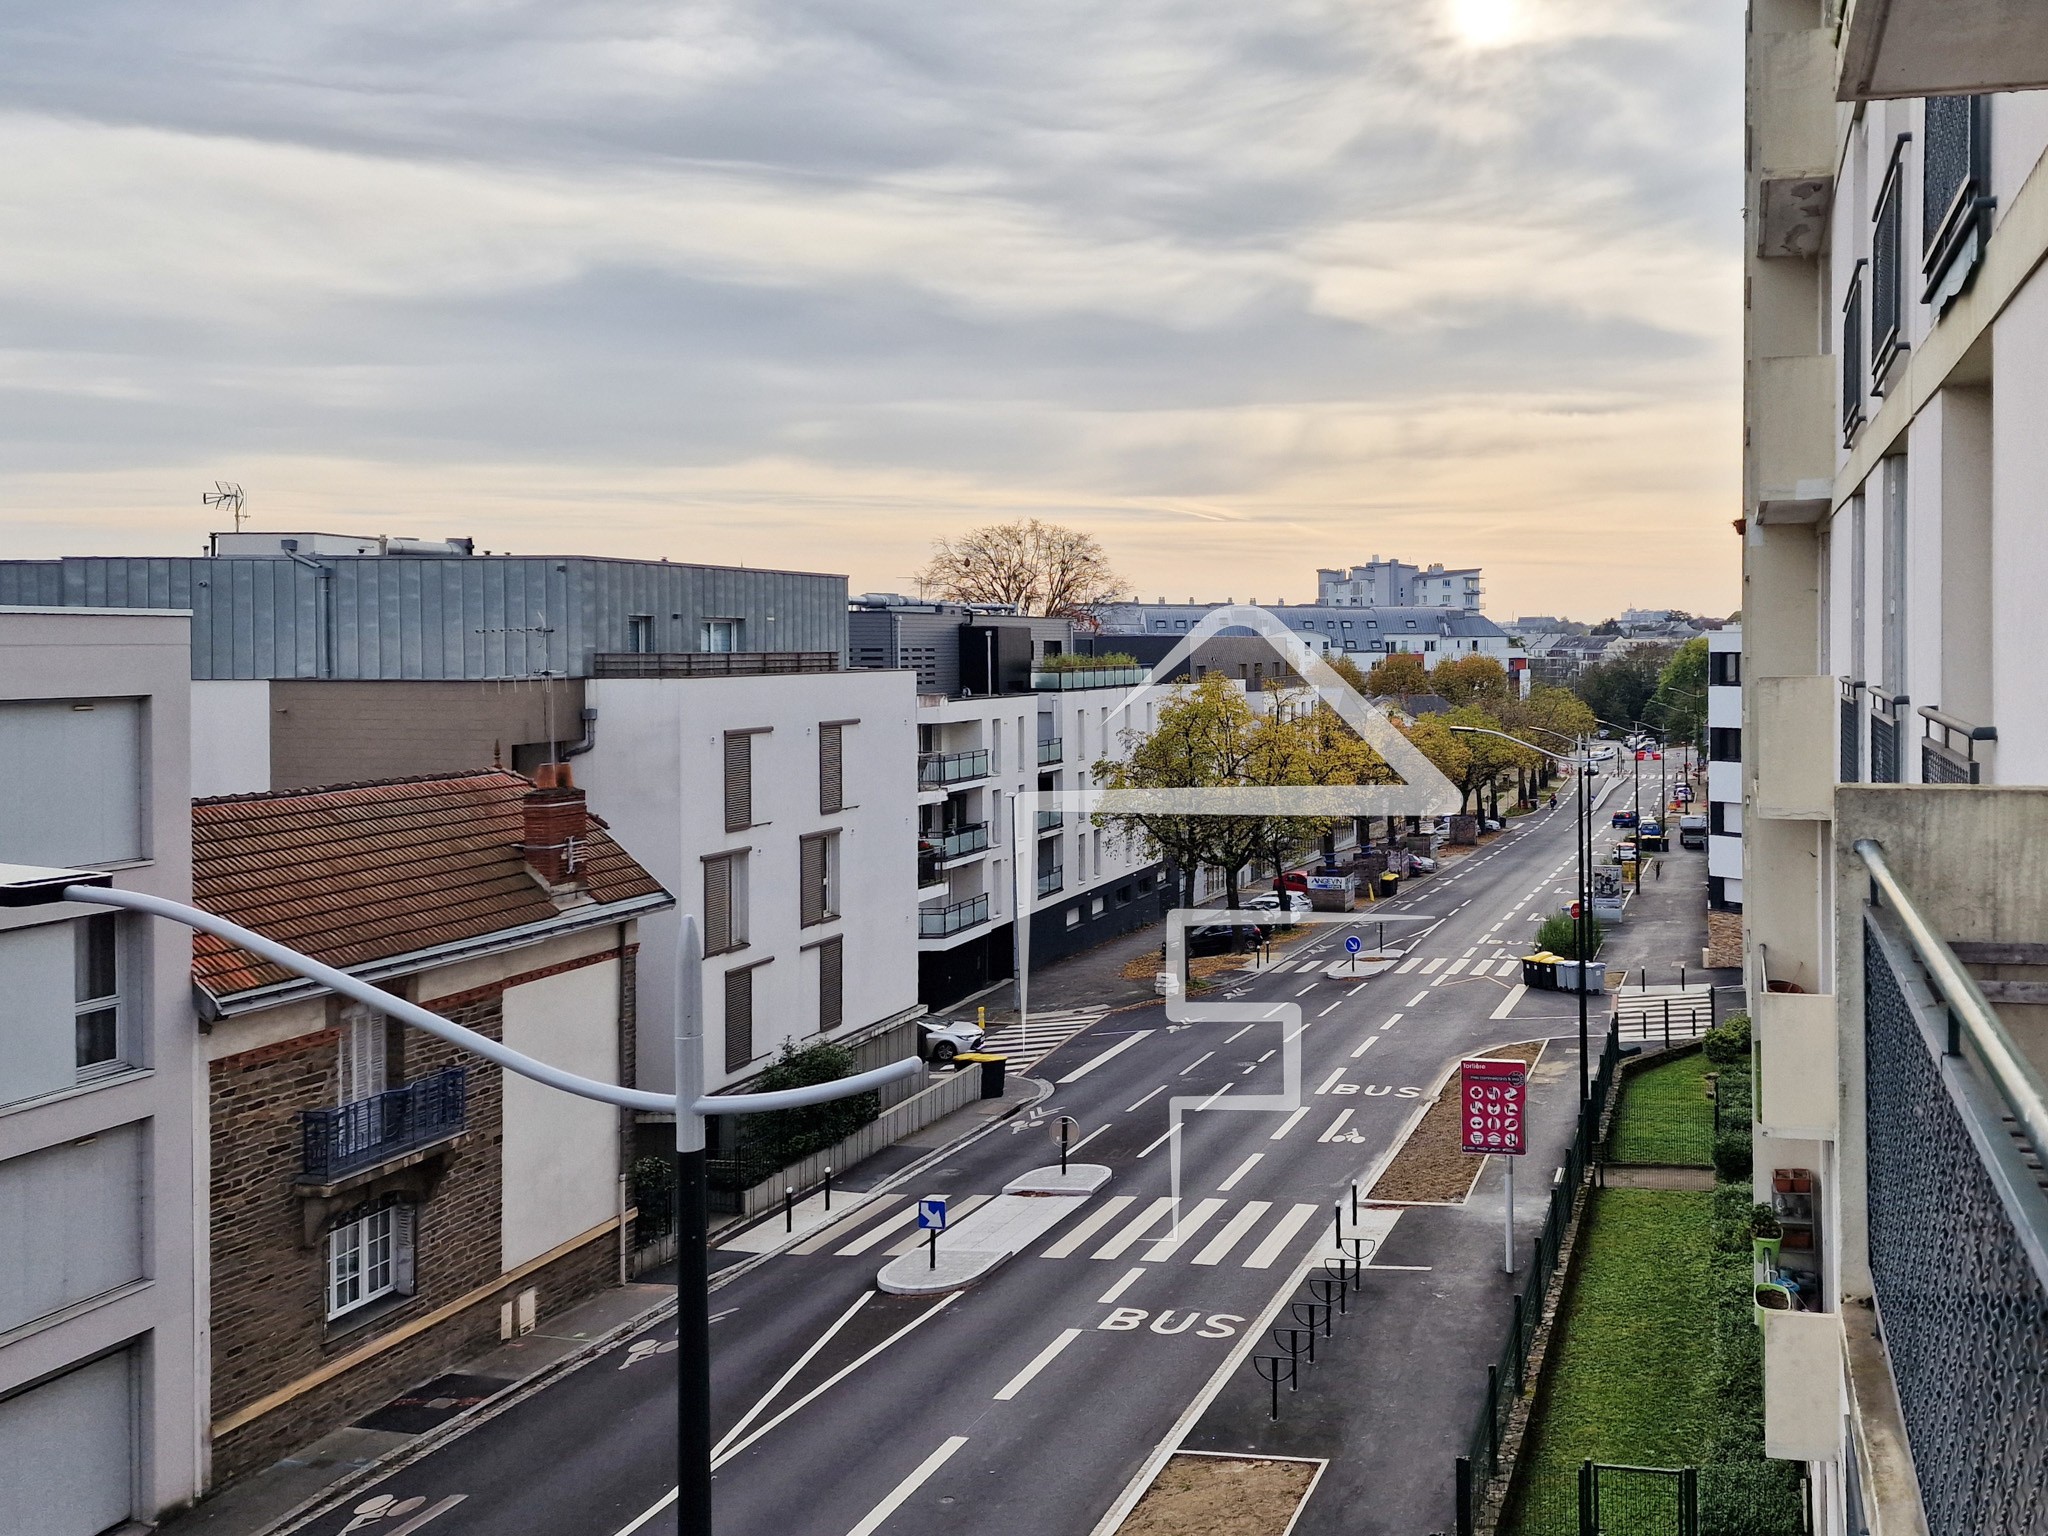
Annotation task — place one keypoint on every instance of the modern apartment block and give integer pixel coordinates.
(1894, 747)
(103, 1391)
(1724, 797)
(1005, 709)
(1434, 634)
(1394, 584)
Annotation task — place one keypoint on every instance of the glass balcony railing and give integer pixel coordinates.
(935, 770)
(1052, 750)
(1069, 678)
(939, 922)
(1048, 820)
(930, 864)
(962, 841)
(362, 1134)
(1051, 880)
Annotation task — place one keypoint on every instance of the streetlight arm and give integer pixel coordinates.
(468, 1039)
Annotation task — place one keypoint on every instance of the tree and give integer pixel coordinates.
(1041, 568)
(1680, 704)
(1618, 690)
(1471, 679)
(1400, 673)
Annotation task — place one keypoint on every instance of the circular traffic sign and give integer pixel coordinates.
(1063, 1128)
(1353, 944)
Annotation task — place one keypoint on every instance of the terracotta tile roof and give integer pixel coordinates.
(355, 873)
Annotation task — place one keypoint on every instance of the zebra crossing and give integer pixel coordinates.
(1257, 1234)
(1029, 1040)
(1658, 1014)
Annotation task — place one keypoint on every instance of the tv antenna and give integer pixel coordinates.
(225, 494)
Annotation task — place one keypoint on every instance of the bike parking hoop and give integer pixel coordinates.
(1328, 1292)
(1313, 1314)
(1271, 1368)
(1345, 1268)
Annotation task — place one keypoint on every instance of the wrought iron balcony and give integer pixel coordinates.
(1052, 880)
(1958, 1221)
(1052, 750)
(347, 1139)
(935, 770)
(939, 922)
(963, 841)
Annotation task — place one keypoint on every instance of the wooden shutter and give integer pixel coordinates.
(717, 905)
(831, 775)
(739, 1018)
(831, 987)
(739, 780)
(811, 880)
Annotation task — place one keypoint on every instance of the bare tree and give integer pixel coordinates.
(1040, 567)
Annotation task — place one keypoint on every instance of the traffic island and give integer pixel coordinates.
(1204, 1495)
(1029, 1207)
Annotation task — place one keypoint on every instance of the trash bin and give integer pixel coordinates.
(1567, 972)
(1389, 883)
(992, 1068)
(1540, 970)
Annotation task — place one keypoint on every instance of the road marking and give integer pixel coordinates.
(1336, 1125)
(1184, 1071)
(1215, 1096)
(649, 1513)
(1077, 1146)
(1276, 1242)
(1364, 1045)
(863, 1244)
(1165, 1246)
(1245, 1031)
(1136, 1228)
(1111, 1209)
(901, 1493)
(1392, 1020)
(833, 1380)
(790, 1375)
(1455, 967)
(1417, 999)
(1171, 1132)
(1439, 960)
(954, 1211)
(1331, 1081)
(1507, 1004)
(1289, 1123)
(1095, 1061)
(1221, 1244)
(1239, 1172)
(1338, 1004)
(1129, 1279)
(431, 1512)
(1304, 992)
(1045, 1357)
(1147, 1099)
(1470, 953)
(845, 1227)
(1407, 965)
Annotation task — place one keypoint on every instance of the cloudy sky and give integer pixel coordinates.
(1242, 289)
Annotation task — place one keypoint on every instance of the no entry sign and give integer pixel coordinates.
(1493, 1094)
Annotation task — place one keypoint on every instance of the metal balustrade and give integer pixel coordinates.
(1052, 880)
(940, 922)
(358, 1135)
(935, 770)
(1052, 750)
(962, 841)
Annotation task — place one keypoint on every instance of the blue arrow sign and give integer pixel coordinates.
(1353, 944)
(931, 1214)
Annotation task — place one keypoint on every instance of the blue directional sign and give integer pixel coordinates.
(1353, 944)
(931, 1214)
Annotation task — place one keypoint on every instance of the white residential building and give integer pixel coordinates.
(1433, 634)
(1895, 744)
(103, 1389)
(1724, 793)
(1394, 584)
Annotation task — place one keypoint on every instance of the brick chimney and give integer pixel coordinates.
(557, 822)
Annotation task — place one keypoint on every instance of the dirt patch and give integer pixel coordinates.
(1220, 1496)
(1430, 1164)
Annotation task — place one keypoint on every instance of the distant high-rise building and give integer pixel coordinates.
(1396, 584)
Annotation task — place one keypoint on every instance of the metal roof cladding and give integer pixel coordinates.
(354, 874)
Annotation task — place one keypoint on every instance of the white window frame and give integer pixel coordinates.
(368, 1259)
(113, 1002)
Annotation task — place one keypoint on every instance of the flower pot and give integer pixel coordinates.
(1798, 1237)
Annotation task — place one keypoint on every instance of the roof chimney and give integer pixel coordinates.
(556, 825)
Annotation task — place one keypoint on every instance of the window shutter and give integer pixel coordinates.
(831, 991)
(402, 1230)
(831, 777)
(717, 905)
(811, 879)
(739, 1018)
(739, 780)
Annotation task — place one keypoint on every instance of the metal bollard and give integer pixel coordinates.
(789, 1210)
(828, 1189)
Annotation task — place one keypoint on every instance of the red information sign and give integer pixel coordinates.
(1493, 1094)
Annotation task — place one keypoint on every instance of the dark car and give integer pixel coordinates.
(1650, 838)
(1624, 818)
(1226, 938)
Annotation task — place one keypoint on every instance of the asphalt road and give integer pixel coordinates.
(1029, 1401)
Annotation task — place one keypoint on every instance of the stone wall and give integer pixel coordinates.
(1724, 940)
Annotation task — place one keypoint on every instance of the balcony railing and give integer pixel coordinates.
(1052, 750)
(1068, 679)
(962, 841)
(1886, 711)
(1051, 880)
(935, 770)
(1851, 763)
(930, 865)
(1958, 1223)
(711, 663)
(939, 922)
(1048, 820)
(337, 1142)
(1943, 761)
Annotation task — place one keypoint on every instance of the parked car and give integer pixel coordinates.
(1271, 901)
(1692, 831)
(1292, 880)
(1650, 837)
(1421, 864)
(1624, 819)
(938, 1043)
(1227, 938)
(1488, 824)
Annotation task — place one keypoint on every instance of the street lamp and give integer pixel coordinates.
(31, 886)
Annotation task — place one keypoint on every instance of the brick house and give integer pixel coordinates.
(382, 1204)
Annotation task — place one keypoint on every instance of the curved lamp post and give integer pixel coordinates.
(26, 886)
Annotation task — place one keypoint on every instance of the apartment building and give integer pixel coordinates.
(103, 1391)
(1008, 708)
(1894, 747)
(1434, 634)
(1724, 797)
(1395, 584)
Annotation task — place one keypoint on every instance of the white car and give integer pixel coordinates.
(1421, 864)
(940, 1043)
(1489, 825)
(1271, 901)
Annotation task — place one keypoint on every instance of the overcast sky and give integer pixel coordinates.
(1243, 289)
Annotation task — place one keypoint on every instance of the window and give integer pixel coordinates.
(1887, 309)
(831, 769)
(1346, 623)
(1372, 623)
(1411, 623)
(96, 942)
(364, 1059)
(1724, 745)
(1350, 645)
(1159, 623)
(739, 780)
(1724, 669)
(1308, 623)
(640, 633)
(739, 1018)
(1852, 355)
(818, 878)
(719, 635)
(74, 774)
(725, 903)
(369, 1256)
(1892, 617)
(1180, 623)
(831, 985)
(1955, 205)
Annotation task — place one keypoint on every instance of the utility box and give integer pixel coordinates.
(1464, 831)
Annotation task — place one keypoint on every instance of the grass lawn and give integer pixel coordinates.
(1633, 1381)
(1666, 1115)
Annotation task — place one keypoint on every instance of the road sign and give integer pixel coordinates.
(1493, 1094)
(1353, 944)
(931, 1214)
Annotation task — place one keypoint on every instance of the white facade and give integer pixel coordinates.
(1434, 634)
(659, 777)
(102, 1282)
(1724, 770)
(1395, 584)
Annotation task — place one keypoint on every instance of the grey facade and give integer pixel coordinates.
(929, 639)
(367, 617)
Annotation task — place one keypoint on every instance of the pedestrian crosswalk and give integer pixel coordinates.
(1033, 1038)
(1252, 1234)
(1662, 1014)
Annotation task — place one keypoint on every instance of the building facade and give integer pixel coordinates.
(1434, 634)
(1894, 746)
(102, 1281)
(381, 1202)
(1724, 797)
(1394, 584)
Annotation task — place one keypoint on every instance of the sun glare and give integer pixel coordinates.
(1486, 23)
